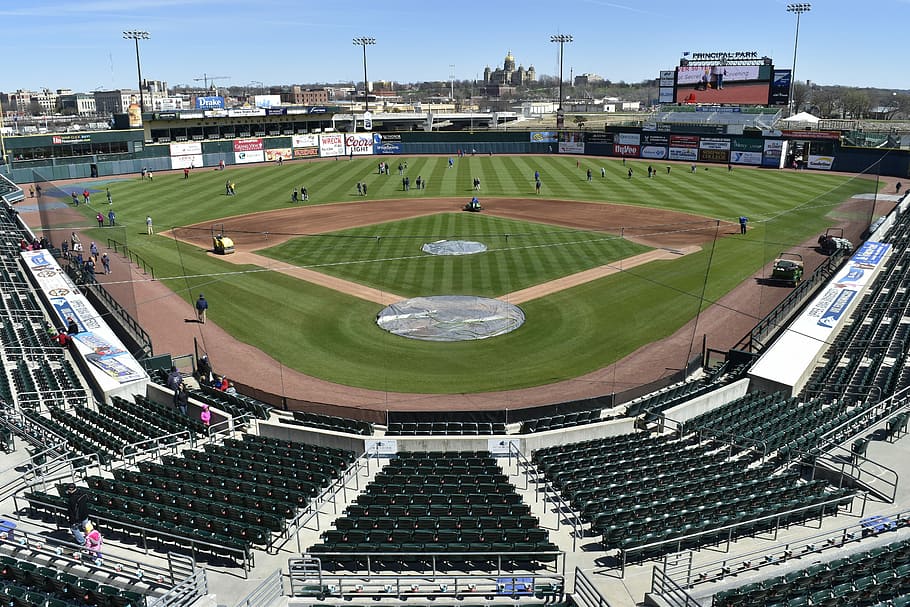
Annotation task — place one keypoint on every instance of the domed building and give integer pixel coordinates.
(501, 80)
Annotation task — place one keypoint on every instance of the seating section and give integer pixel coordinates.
(330, 422)
(864, 578)
(236, 405)
(234, 495)
(26, 584)
(556, 422)
(637, 490)
(442, 502)
(444, 428)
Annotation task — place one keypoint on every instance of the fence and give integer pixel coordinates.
(586, 593)
(122, 249)
(266, 593)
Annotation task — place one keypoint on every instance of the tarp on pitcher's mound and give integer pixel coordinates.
(450, 318)
(454, 247)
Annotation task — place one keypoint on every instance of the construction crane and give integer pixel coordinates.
(206, 79)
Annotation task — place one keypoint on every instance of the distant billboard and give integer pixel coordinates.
(209, 103)
(331, 144)
(266, 101)
(716, 84)
(780, 87)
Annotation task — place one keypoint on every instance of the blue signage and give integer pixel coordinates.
(837, 308)
(387, 148)
(870, 253)
(209, 103)
(276, 111)
(317, 109)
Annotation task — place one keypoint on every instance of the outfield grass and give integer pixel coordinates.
(519, 254)
(333, 336)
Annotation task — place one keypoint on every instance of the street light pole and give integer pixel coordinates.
(137, 35)
(799, 9)
(561, 39)
(365, 42)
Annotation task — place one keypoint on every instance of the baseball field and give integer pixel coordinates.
(599, 267)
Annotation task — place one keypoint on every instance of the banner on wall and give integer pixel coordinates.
(544, 137)
(248, 157)
(305, 141)
(247, 145)
(737, 157)
(655, 152)
(714, 143)
(187, 162)
(684, 141)
(822, 162)
(686, 154)
(773, 153)
(358, 144)
(305, 152)
(387, 148)
(186, 149)
(276, 153)
(628, 138)
(627, 151)
(331, 144)
(711, 155)
(571, 143)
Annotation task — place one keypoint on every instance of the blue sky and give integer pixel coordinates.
(78, 44)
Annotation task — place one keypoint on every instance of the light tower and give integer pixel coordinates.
(799, 9)
(561, 39)
(137, 35)
(365, 42)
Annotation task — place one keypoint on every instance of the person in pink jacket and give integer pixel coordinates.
(206, 415)
(93, 541)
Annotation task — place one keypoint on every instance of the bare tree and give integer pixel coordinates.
(856, 103)
(800, 96)
(827, 100)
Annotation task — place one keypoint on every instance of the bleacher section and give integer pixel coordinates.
(754, 117)
(233, 496)
(636, 490)
(444, 428)
(449, 503)
(865, 578)
(329, 422)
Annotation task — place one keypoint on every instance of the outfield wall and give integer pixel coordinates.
(54, 156)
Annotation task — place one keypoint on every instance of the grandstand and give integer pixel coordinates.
(694, 115)
(704, 492)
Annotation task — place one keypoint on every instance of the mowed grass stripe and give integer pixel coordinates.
(335, 336)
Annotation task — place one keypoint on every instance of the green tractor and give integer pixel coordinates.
(787, 269)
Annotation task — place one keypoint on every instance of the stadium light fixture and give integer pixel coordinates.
(365, 41)
(799, 9)
(562, 39)
(136, 36)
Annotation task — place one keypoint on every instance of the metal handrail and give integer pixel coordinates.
(624, 553)
(184, 593)
(672, 593)
(129, 453)
(549, 494)
(245, 556)
(266, 593)
(586, 593)
(441, 557)
(314, 507)
(755, 559)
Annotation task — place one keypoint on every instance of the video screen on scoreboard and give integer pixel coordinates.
(715, 84)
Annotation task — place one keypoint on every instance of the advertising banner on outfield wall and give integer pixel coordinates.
(628, 138)
(656, 139)
(358, 144)
(737, 157)
(305, 141)
(714, 155)
(747, 144)
(822, 162)
(544, 137)
(687, 154)
(190, 161)
(773, 153)
(714, 143)
(656, 152)
(331, 144)
(626, 151)
(248, 157)
(665, 95)
(276, 153)
(247, 145)
(571, 143)
(185, 149)
(683, 141)
(387, 148)
(306, 152)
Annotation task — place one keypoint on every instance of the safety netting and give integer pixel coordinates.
(454, 247)
(450, 318)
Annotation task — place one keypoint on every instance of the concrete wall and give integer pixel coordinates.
(708, 402)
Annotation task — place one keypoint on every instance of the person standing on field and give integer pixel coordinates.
(149, 228)
(201, 306)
